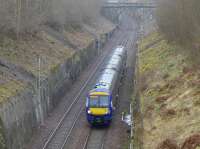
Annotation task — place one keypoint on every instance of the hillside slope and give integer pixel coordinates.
(170, 95)
(19, 60)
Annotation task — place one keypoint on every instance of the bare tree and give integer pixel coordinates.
(25, 16)
(179, 19)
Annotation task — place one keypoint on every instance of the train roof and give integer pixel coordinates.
(98, 90)
(109, 73)
(119, 51)
(113, 64)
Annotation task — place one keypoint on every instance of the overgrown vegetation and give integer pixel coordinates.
(22, 16)
(170, 97)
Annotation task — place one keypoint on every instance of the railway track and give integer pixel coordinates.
(98, 136)
(86, 141)
(95, 139)
(60, 135)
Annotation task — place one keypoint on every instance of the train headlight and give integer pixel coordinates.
(89, 112)
(108, 112)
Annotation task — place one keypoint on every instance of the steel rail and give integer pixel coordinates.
(73, 125)
(86, 140)
(101, 143)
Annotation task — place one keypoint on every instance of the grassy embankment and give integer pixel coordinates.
(25, 54)
(169, 96)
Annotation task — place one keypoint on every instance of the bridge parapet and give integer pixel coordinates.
(129, 4)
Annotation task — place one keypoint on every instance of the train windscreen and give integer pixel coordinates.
(99, 101)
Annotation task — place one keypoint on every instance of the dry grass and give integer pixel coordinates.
(10, 88)
(171, 99)
(25, 54)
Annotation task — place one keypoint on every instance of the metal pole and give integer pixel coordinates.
(39, 91)
(131, 112)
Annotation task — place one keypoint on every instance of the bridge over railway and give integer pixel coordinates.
(129, 5)
(115, 9)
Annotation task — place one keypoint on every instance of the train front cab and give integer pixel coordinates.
(99, 108)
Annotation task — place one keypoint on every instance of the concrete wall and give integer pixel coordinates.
(24, 112)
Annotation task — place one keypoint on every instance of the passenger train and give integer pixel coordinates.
(100, 99)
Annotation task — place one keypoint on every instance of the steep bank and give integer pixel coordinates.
(169, 96)
(36, 71)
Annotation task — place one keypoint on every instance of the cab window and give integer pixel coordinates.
(93, 101)
(98, 101)
(103, 101)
